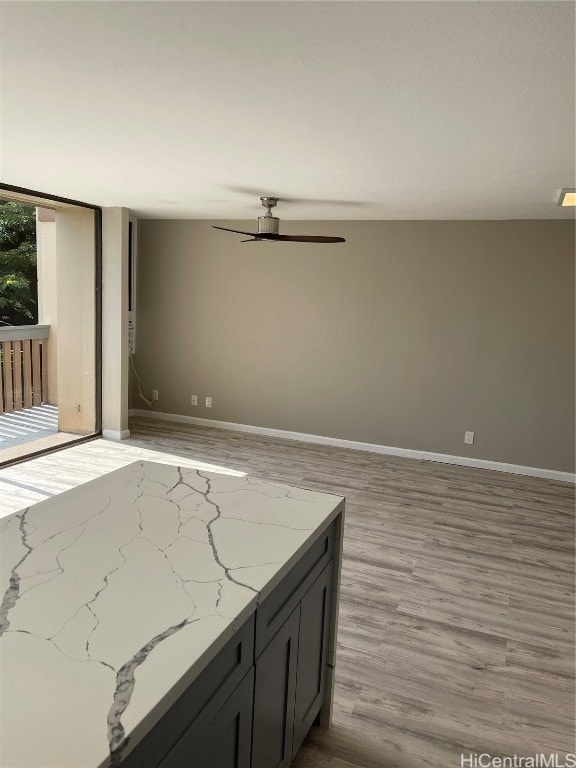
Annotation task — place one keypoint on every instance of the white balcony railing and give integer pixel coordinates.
(23, 366)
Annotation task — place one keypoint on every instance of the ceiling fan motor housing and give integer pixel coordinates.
(268, 224)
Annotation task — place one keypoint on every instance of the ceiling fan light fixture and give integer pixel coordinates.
(567, 198)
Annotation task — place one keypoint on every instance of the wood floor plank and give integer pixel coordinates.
(456, 629)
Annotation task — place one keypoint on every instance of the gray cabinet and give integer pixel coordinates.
(255, 702)
(200, 708)
(225, 742)
(312, 669)
(274, 694)
(290, 683)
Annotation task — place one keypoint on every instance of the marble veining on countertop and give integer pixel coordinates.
(117, 593)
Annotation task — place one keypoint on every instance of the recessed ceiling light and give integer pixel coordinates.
(567, 198)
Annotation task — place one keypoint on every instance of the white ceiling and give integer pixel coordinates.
(411, 110)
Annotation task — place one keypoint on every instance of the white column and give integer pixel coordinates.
(75, 364)
(115, 323)
(47, 269)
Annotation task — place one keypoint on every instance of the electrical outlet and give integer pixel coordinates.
(194, 400)
(469, 438)
(208, 402)
(154, 394)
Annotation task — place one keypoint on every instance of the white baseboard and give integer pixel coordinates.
(112, 434)
(408, 453)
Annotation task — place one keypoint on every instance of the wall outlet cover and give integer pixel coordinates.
(469, 438)
(194, 400)
(208, 402)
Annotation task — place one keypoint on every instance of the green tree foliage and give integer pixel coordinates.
(18, 277)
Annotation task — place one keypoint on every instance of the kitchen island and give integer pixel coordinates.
(163, 616)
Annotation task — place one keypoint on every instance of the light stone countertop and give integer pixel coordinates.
(119, 592)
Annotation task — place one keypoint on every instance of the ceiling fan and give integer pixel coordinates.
(268, 226)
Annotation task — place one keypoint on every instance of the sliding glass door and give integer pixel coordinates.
(50, 344)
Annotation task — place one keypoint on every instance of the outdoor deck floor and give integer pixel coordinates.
(28, 424)
(26, 432)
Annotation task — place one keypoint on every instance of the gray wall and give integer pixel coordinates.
(407, 335)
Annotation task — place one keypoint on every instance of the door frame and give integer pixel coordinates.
(33, 197)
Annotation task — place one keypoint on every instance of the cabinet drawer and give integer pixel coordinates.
(280, 603)
(200, 702)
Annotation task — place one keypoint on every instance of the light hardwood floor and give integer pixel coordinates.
(456, 630)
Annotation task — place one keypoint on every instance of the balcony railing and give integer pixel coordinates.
(23, 366)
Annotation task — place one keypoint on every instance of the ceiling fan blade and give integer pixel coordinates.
(238, 231)
(306, 239)
(252, 235)
(282, 238)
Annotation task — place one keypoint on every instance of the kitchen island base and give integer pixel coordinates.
(253, 706)
(163, 616)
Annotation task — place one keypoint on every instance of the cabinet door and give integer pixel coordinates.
(225, 742)
(274, 693)
(200, 702)
(315, 614)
